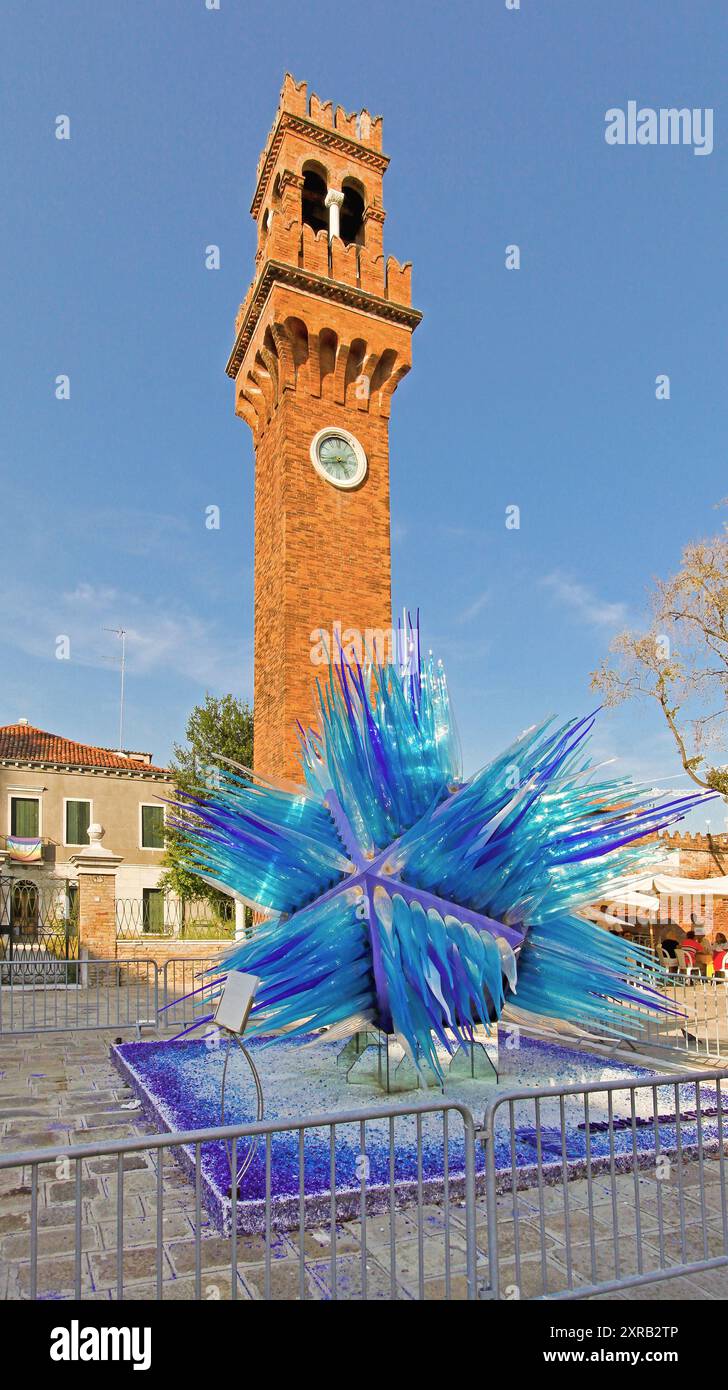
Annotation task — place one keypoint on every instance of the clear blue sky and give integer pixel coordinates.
(534, 387)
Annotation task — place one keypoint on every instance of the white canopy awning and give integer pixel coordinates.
(702, 887)
(632, 897)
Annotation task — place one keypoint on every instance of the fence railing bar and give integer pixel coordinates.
(660, 1210)
(701, 1169)
(77, 1265)
(565, 1189)
(392, 1215)
(446, 1200)
(541, 1212)
(301, 1216)
(590, 1187)
(319, 1120)
(721, 1164)
(34, 1231)
(632, 1281)
(160, 1220)
(198, 1220)
(363, 1205)
(332, 1210)
(514, 1194)
(613, 1183)
(636, 1177)
(420, 1215)
(234, 1219)
(120, 1226)
(471, 1254)
(268, 1143)
(679, 1164)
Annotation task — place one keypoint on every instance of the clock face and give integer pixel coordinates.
(338, 457)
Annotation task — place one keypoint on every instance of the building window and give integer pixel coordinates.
(25, 905)
(25, 816)
(352, 216)
(152, 827)
(314, 212)
(78, 819)
(72, 901)
(153, 909)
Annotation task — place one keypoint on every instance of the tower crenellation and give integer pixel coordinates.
(295, 101)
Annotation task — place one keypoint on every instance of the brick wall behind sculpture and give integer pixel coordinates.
(701, 856)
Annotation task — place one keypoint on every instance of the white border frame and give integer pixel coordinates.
(67, 843)
(28, 795)
(150, 849)
(361, 458)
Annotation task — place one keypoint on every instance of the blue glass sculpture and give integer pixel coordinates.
(404, 898)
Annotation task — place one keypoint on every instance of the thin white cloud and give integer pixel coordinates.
(584, 603)
(160, 637)
(469, 614)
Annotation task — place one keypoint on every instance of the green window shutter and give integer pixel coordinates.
(24, 817)
(152, 827)
(78, 815)
(153, 910)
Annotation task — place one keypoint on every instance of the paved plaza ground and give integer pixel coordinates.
(58, 1090)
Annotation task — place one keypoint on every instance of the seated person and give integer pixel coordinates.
(690, 945)
(720, 951)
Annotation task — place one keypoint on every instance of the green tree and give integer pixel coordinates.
(222, 726)
(680, 660)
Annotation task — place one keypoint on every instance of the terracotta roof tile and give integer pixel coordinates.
(24, 743)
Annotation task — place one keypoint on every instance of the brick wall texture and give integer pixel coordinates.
(700, 856)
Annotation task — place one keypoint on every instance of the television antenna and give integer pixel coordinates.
(121, 632)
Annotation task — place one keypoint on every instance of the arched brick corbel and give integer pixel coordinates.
(256, 398)
(271, 361)
(262, 378)
(314, 364)
(246, 411)
(286, 360)
(365, 373)
(342, 357)
(384, 395)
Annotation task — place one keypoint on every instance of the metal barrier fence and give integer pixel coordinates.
(695, 1021)
(335, 1212)
(38, 993)
(68, 995)
(139, 1228)
(34, 994)
(704, 1030)
(623, 1183)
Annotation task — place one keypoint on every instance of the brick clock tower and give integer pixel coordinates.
(322, 340)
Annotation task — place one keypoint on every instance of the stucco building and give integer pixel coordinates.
(51, 790)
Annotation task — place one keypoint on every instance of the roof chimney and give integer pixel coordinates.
(22, 721)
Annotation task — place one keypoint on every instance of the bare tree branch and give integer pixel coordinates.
(667, 662)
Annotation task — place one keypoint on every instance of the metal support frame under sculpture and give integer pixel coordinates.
(407, 900)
